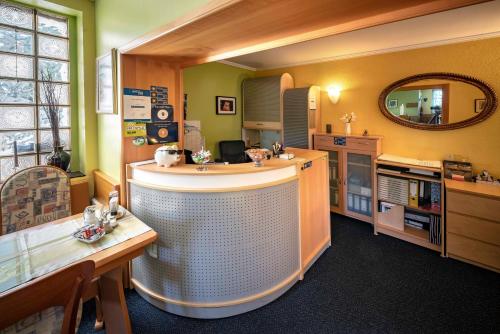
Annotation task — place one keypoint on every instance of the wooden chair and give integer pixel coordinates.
(35, 196)
(61, 288)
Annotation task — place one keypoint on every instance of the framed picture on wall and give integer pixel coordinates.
(392, 103)
(479, 105)
(106, 97)
(225, 105)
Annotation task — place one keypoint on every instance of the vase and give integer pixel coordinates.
(348, 129)
(59, 158)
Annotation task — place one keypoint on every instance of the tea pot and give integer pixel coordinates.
(167, 155)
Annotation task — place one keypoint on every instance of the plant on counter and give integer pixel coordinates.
(348, 119)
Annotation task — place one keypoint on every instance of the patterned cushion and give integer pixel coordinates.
(29, 198)
(34, 196)
(48, 321)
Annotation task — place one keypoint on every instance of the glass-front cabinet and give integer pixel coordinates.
(351, 161)
(358, 183)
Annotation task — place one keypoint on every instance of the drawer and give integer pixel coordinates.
(324, 142)
(472, 205)
(473, 250)
(361, 144)
(473, 227)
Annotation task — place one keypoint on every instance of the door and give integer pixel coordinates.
(335, 183)
(358, 185)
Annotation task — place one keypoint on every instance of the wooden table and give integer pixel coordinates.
(108, 268)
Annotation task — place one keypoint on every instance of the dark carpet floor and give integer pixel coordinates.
(362, 284)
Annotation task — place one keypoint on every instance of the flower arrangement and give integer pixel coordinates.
(348, 118)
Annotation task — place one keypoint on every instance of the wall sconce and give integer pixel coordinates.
(334, 93)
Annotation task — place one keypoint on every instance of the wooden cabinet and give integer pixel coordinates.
(473, 223)
(315, 235)
(350, 172)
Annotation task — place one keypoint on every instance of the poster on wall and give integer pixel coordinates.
(136, 105)
(106, 83)
(162, 113)
(162, 133)
(159, 95)
(134, 129)
(193, 139)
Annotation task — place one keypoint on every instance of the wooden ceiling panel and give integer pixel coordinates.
(255, 25)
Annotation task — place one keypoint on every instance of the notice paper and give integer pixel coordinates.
(136, 105)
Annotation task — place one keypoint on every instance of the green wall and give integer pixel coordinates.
(203, 83)
(117, 23)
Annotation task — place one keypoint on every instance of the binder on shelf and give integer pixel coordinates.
(435, 194)
(413, 193)
(424, 193)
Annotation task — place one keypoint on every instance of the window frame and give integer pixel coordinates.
(38, 153)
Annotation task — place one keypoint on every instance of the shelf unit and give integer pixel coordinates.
(410, 234)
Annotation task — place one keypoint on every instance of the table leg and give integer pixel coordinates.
(114, 306)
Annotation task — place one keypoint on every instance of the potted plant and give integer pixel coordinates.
(51, 95)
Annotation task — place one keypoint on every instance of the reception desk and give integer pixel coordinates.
(232, 238)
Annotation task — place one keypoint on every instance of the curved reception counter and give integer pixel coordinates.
(232, 238)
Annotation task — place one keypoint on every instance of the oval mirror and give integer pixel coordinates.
(438, 101)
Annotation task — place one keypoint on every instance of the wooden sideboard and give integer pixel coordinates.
(473, 223)
(351, 163)
(79, 194)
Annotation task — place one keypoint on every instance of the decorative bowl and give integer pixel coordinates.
(201, 158)
(89, 234)
(257, 155)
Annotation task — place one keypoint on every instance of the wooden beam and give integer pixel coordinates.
(233, 28)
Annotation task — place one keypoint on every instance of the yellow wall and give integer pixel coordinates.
(362, 80)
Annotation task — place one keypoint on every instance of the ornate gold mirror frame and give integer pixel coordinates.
(490, 105)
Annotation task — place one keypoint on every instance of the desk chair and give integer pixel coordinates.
(233, 151)
(24, 305)
(35, 196)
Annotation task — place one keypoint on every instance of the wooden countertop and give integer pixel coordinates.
(473, 188)
(372, 137)
(301, 156)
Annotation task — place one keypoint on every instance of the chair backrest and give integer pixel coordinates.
(34, 196)
(60, 288)
(232, 151)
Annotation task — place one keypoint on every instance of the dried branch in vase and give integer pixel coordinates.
(51, 96)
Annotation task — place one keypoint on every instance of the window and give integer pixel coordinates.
(31, 42)
(437, 98)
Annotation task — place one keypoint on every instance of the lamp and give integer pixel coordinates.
(334, 93)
